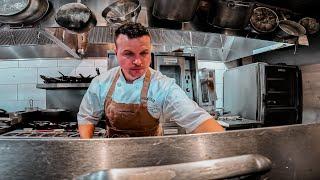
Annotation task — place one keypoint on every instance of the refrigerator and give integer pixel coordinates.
(271, 94)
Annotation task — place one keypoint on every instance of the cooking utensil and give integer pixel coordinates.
(76, 17)
(177, 10)
(310, 24)
(264, 20)
(230, 14)
(22, 11)
(122, 11)
(289, 29)
(31, 108)
(55, 115)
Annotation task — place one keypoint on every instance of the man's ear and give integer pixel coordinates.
(115, 50)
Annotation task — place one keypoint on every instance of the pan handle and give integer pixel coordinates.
(210, 169)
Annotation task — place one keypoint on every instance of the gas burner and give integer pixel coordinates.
(55, 133)
(42, 125)
(68, 125)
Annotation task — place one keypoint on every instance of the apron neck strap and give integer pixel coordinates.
(113, 85)
(145, 88)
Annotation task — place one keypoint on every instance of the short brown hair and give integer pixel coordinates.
(132, 30)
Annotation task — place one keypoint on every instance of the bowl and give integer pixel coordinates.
(122, 11)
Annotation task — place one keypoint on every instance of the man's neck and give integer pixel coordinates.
(128, 81)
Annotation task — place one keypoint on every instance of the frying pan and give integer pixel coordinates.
(22, 11)
(76, 17)
(289, 29)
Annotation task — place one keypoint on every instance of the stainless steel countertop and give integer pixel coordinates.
(294, 151)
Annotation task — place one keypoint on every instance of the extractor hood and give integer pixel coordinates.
(47, 40)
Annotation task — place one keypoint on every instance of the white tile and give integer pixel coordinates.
(219, 75)
(86, 71)
(53, 72)
(18, 75)
(29, 91)
(40, 104)
(101, 63)
(8, 92)
(68, 63)
(11, 106)
(103, 70)
(219, 90)
(38, 63)
(9, 64)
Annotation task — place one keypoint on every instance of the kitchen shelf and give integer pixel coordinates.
(63, 86)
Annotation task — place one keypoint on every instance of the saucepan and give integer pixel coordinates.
(76, 17)
(22, 11)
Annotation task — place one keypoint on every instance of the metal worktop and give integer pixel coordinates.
(294, 151)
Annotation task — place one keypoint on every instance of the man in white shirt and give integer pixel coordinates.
(136, 98)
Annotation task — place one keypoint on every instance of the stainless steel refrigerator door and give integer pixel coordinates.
(242, 91)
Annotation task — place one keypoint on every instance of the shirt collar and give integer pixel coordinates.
(135, 81)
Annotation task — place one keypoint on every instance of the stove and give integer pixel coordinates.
(53, 133)
(47, 129)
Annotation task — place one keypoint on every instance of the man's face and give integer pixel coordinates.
(134, 55)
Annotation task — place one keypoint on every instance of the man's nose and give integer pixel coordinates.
(137, 61)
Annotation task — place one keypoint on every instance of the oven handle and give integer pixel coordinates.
(229, 167)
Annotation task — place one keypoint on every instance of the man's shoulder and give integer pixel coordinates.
(160, 79)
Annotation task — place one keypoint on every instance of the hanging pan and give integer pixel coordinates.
(76, 17)
(22, 11)
(290, 29)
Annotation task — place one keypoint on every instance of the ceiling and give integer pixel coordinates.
(305, 7)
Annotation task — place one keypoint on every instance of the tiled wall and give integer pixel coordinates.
(18, 79)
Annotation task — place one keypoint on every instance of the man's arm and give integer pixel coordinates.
(86, 131)
(209, 125)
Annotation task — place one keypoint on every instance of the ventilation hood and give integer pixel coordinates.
(47, 40)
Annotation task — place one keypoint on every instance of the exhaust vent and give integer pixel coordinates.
(21, 37)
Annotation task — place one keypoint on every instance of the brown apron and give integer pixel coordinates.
(130, 120)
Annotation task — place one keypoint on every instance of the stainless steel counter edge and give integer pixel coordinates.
(293, 150)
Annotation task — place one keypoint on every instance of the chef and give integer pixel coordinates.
(134, 98)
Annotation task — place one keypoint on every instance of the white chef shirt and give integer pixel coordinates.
(166, 100)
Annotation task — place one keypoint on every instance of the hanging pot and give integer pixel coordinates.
(230, 14)
(76, 17)
(22, 11)
(177, 10)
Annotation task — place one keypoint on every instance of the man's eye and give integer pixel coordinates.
(144, 54)
(128, 54)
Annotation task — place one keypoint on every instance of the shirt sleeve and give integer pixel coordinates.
(91, 108)
(180, 108)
